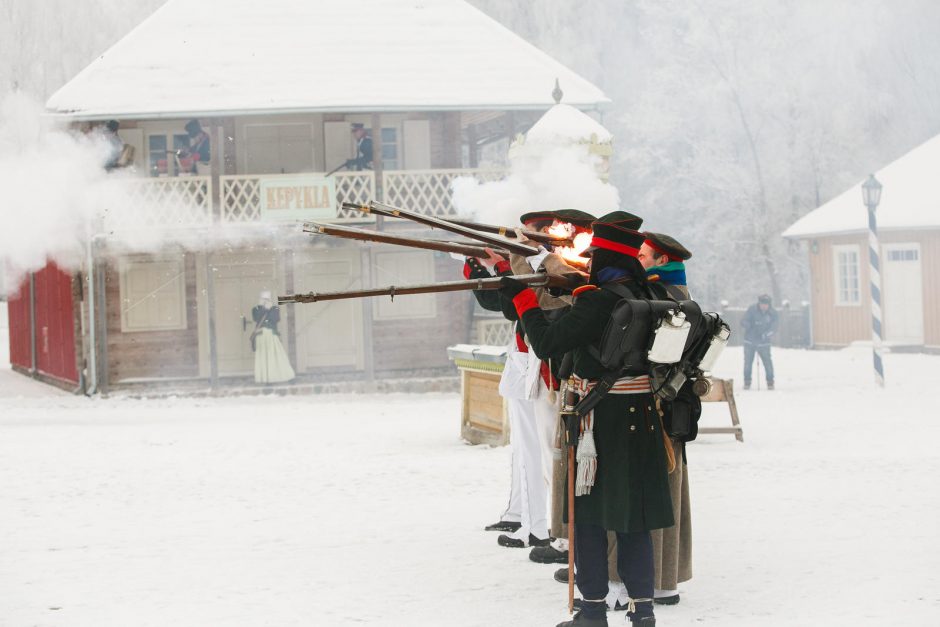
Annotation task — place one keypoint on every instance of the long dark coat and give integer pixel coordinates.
(631, 491)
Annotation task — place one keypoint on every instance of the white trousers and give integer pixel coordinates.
(532, 429)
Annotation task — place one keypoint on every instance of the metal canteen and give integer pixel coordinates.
(670, 338)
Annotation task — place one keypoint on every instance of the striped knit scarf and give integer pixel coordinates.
(673, 273)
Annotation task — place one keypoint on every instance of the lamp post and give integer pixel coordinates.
(871, 194)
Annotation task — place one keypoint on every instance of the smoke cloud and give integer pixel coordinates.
(561, 178)
(57, 195)
(53, 183)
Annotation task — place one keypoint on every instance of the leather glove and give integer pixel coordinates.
(510, 287)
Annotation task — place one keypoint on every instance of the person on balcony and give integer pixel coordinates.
(271, 362)
(363, 160)
(199, 147)
(116, 149)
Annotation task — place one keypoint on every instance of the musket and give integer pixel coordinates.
(335, 170)
(389, 211)
(491, 283)
(363, 235)
(572, 424)
(505, 231)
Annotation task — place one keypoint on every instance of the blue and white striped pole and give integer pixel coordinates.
(871, 193)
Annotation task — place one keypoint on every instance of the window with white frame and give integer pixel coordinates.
(163, 154)
(903, 254)
(390, 148)
(153, 293)
(847, 281)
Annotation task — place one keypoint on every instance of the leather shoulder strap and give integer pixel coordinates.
(674, 292)
(619, 289)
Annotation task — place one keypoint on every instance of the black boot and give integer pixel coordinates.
(670, 600)
(591, 614)
(561, 575)
(579, 602)
(503, 525)
(548, 555)
(646, 621)
(513, 543)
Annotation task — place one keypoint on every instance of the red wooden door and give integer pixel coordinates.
(18, 307)
(55, 324)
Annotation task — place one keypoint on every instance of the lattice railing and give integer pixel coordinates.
(187, 201)
(241, 201)
(429, 191)
(184, 201)
(357, 187)
(492, 331)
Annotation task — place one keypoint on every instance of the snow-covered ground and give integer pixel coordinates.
(345, 510)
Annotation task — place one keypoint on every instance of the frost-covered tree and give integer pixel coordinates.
(732, 119)
(44, 43)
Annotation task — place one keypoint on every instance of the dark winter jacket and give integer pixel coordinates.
(759, 326)
(270, 321)
(631, 491)
(364, 159)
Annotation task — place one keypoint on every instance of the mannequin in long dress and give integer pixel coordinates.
(271, 362)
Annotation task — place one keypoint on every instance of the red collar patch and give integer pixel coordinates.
(584, 288)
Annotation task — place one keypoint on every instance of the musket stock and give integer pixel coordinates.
(389, 211)
(345, 232)
(492, 283)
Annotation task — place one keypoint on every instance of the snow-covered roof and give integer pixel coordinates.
(910, 198)
(564, 123)
(215, 57)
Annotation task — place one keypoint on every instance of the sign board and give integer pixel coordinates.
(297, 198)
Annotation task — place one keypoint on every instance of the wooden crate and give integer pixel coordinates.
(483, 416)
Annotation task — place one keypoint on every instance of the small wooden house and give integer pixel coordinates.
(276, 86)
(836, 235)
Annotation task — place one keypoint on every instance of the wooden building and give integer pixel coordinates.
(277, 86)
(836, 235)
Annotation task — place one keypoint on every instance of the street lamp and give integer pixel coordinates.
(871, 192)
(871, 195)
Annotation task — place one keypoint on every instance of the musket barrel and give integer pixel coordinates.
(395, 212)
(492, 283)
(505, 231)
(460, 248)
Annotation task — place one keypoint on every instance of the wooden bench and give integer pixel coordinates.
(722, 391)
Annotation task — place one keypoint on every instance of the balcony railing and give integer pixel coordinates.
(191, 201)
(492, 331)
(428, 191)
(179, 202)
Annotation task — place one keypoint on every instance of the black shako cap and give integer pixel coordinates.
(615, 237)
(580, 219)
(622, 218)
(667, 244)
(571, 216)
